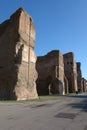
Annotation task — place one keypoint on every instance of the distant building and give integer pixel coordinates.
(50, 70)
(70, 70)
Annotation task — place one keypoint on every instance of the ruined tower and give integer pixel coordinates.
(70, 69)
(50, 70)
(17, 58)
(84, 85)
(79, 77)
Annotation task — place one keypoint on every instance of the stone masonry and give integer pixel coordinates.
(84, 85)
(79, 77)
(17, 58)
(70, 69)
(50, 70)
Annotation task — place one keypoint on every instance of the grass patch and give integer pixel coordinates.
(40, 99)
(48, 97)
(70, 94)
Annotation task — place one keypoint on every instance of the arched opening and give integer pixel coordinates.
(49, 83)
(66, 85)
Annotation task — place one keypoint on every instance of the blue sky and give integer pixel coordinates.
(60, 24)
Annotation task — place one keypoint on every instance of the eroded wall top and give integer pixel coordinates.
(23, 24)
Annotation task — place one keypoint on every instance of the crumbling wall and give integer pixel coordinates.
(17, 58)
(79, 77)
(50, 70)
(70, 69)
(84, 85)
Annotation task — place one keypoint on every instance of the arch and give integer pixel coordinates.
(49, 82)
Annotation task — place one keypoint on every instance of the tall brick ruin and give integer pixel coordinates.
(79, 77)
(70, 68)
(17, 58)
(50, 70)
(84, 85)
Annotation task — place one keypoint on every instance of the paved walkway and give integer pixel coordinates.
(66, 113)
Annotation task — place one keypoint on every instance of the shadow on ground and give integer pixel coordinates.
(82, 104)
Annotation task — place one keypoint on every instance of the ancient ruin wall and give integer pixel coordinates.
(84, 84)
(79, 77)
(70, 69)
(17, 58)
(50, 70)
